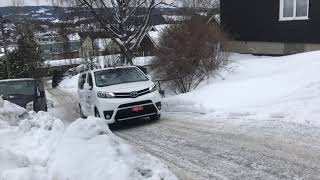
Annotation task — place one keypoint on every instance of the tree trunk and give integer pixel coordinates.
(126, 57)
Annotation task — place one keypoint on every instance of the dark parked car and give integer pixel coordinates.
(27, 93)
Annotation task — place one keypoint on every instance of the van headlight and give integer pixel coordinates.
(105, 95)
(153, 88)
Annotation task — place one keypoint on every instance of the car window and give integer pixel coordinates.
(82, 80)
(90, 80)
(17, 87)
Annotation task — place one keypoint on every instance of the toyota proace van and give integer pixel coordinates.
(118, 94)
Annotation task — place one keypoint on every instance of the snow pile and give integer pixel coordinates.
(42, 148)
(93, 152)
(25, 149)
(279, 88)
(10, 113)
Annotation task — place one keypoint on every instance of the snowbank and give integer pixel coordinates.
(70, 84)
(281, 88)
(42, 148)
(95, 153)
(10, 113)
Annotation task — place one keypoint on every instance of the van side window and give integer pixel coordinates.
(82, 80)
(90, 82)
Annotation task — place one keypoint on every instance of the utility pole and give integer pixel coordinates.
(5, 46)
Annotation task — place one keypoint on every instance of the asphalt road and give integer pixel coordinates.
(197, 147)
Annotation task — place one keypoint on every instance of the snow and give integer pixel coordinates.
(10, 113)
(70, 84)
(155, 35)
(102, 43)
(143, 61)
(55, 21)
(41, 147)
(279, 88)
(74, 37)
(42, 10)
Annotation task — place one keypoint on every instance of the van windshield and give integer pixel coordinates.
(17, 88)
(110, 77)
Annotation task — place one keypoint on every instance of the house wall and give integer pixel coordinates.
(271, 48)
(55, 50)
(258, 21)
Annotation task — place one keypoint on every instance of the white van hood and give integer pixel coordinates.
(126, 87)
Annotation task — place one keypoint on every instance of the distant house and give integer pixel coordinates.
(52, 46)
(105, 46)
(275, 27)
(151, 41)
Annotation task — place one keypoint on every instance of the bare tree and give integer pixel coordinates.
(212, 7)
(126, 21)
(189, 53)
(17, 3)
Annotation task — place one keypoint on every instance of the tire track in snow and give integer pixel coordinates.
(227, 152)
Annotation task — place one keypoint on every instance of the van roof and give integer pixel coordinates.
(117, 67)
(21, 79)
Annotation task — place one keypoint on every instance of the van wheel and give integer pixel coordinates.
(96, 113)
(81, 113)
(155, 117)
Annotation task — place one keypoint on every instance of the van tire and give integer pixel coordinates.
(81, 113)
(155, 117)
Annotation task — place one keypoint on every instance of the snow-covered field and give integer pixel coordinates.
(41, 147)
(281, 88)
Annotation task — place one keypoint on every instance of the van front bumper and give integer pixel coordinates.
(121, 109)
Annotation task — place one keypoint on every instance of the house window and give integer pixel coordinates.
(294, 10)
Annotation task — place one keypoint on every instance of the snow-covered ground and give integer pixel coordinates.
(41, 147)
(283, 88)
(70, 84)
(260, 122)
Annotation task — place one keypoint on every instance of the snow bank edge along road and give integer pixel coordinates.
(42, 148)
(285, 88)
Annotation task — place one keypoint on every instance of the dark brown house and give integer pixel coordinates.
(274, 27)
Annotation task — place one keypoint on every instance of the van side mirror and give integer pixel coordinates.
(86, 86)
(149, 77)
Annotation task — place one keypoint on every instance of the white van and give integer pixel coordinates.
(117, 94)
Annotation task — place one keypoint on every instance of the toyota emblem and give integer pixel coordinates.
(134, 94)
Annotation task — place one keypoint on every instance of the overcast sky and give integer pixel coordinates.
(49, 2)
(27, 2)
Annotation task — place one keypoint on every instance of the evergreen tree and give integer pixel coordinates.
(25, 61)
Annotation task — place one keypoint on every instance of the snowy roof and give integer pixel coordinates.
(55, 21)
(49, 33)
(155, 35)
(101, 43)
(10, 49)
(74, 37)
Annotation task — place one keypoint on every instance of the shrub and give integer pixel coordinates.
(189, 53)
